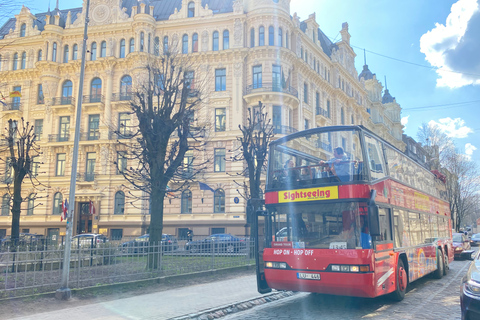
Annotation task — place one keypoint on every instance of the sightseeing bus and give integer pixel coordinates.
(346, 213)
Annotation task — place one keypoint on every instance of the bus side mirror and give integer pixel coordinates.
(373, 220)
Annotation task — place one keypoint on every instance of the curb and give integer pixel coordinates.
(218, 312)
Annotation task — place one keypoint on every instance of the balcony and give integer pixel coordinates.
(119, 136)
(271, 87)
(86, 177)
(321, 116)
(63, 101)
(58, 137)
(271, 93)
(12, 108)
(89, 136)
(279, 129)
(325, 146)
(123, 96)
(93, 98)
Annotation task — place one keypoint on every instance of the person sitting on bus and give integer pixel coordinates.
(339, 165)
(291, 173)
(365, 238)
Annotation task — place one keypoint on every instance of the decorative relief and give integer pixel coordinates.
(205, 40)
(100, 14)
(238, 7)
(238, 69)
(238, 33)
(104, 152)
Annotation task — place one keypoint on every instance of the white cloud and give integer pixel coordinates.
(454, 128)
(404, 120)
(454, 46)
(469, 148)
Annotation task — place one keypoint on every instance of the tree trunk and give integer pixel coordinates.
(17, 201)
(156, 227)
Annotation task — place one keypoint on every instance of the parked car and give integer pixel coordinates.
(221, 242)
(88, 240)
(475, 240)
(470, 291)
(461, 246)
(140, 244)
(25, 239)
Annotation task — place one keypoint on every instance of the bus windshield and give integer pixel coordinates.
(327, 226)
(312, 159)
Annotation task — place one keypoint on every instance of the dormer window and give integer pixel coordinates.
(23, 28)
(191, 9)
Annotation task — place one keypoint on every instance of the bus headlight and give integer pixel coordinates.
(276, 265)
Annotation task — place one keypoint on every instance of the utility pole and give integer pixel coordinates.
(64, 292)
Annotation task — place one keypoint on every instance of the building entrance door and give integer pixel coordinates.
(85, 218)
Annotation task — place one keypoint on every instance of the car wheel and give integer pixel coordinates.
(230, 248)
(193, 249)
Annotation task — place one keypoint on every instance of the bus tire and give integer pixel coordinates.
(445, 264)
(401, 282)
(438, 274)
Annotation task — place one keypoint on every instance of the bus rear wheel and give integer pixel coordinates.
(401, 282)
(438, 274)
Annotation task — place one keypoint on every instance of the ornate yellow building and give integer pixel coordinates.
(247, 50)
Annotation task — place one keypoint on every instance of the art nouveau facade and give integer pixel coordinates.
(246, 51)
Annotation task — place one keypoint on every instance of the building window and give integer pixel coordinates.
(280, 37)
(96, 90)
(6, 205)
(301, 53)
(219, 161)
(252, 38)
(40, 97)
(149, 44)
(328, 108)
(195, 42)
(60, 170)
(186, 201)
(287, 45)
(65, 54)
(54, 52)
(23, 28)
(67, 92)
(220, 79)
(142, 41)
(306, 56)
(156, 46)
(16, 100)
(306, 124)
(74, 52)
(188, 164)
(15, 61)
(124, 124)
(215, 41)
(30, 204)
(191, 9)
(342, 116)
(126, 88)
(93, 52)
(131, 46)
(24, 60)
(57, 204)
(121, 162)
(305, 92)
(122, 48)
(353, 122)
(38, 129)
(8, 170)
(226, 40)
(39, 55)
(116, 234)
(90, 166)
(93, 127)
(103, 49)
(219, 201)
(276, 77)
(64, 130)
(257, 77)
(317, 102)
(277, 119)
(119, 203)
(261, 36)
(165, 44)
(220, 118)
(271, 36)
(185, 44)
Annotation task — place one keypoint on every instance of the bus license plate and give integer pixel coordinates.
(308, 276)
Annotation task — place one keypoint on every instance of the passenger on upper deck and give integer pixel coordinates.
(339, 165)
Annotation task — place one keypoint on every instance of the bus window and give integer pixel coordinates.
(398, 226)
(427, 234)
(415, 229)
(385, 226)
(375, 158)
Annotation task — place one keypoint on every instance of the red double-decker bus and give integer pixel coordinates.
(347, 213)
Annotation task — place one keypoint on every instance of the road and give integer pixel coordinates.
(426, 298)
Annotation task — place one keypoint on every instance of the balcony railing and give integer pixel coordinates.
(12, 106)
(93, 98)
(63, 101)
(279, 129)
(86, 176)
(322, 112)
(122, 96)
(58, 137)
(271, 87)
(324, 146)
(89, 136)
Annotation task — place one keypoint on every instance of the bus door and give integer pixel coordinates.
(262, 232)
(385, 264)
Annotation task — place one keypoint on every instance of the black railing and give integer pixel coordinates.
(122, 96)
(86, 176)
(324, 146)
(279, 129)
(58, 137)
(88, 136)
(271, 87)
(322, 112)
(63, 101)
(93, 98)
(12, 106)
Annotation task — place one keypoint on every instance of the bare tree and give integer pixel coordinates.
(164, 104)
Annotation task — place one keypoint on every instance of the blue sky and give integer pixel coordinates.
(423, 34)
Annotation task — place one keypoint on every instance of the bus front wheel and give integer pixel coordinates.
(401, 282)
(438, 274)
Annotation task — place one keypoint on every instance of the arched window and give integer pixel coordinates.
(122, 48)
(39, 55)
(65, 54)
(219, 201)
(252, 38)
(23, 28)
(226, 40)
(93, 52)
(342, 116)
(271, 36)
(195, 42)
(103, 49)
(215, 41)
(54, 52)
(119, 203)
(165, 44)
(142, 40)
(15, 61)
(261, 36)
(96, 90)
(125, 88)
(6, 205)
(186, 201)
(30, 204)
(280, 37)
(132, 46)
(156, 46)
(24, 60)
(191, 9)
(185, 44)
(67, 92)
(57, 204)
(74, 52)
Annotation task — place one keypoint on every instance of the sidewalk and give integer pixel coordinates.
(163, 305)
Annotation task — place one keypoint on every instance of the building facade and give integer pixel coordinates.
(246, 51)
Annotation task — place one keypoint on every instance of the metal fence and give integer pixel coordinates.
(28, 270)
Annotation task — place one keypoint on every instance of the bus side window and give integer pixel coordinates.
(398, 226)
(385, 225)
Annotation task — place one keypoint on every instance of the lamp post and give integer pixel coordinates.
(64, 292)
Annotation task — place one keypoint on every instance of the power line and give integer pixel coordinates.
(441, 106)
